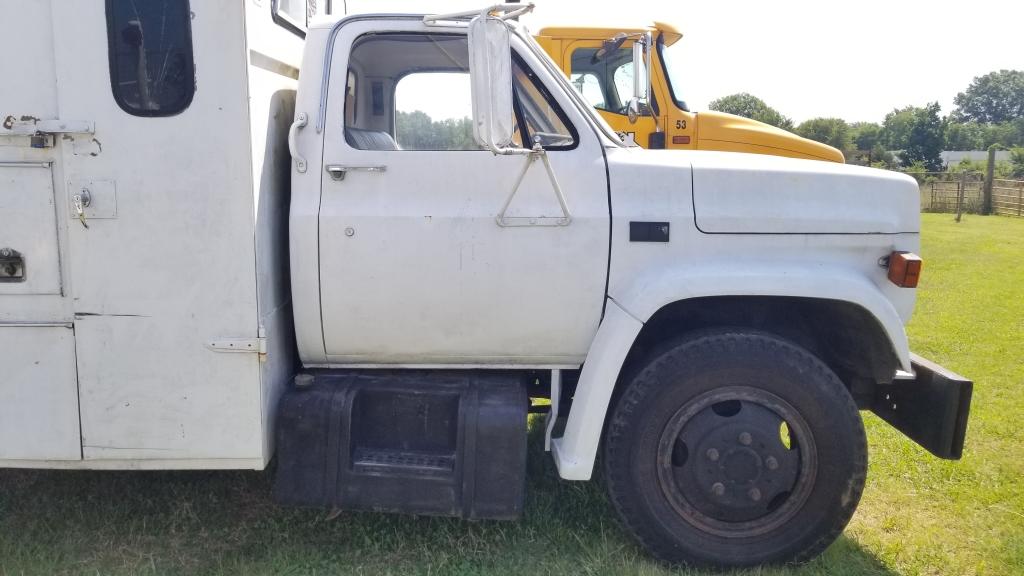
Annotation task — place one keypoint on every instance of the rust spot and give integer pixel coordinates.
(9, 122)
(99, 148)
(31, 119)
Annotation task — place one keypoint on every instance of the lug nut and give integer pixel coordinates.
(754, 494)
(745, 438)
(712, 454)
(718, 488)
(771, 463)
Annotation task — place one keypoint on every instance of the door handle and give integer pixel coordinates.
(337, 171)
(293, 147)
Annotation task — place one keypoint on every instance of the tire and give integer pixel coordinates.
(696, 457)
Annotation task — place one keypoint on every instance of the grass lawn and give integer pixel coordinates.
(919, 515)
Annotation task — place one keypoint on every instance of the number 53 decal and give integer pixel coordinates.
(680, 124)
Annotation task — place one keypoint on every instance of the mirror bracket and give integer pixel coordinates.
(508, 221)
(502, 11)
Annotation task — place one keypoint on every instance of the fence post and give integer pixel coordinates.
(989, 173)
(960, 195)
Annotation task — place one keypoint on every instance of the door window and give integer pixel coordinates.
(536, 110)
(412, 92)
(432, 112)
(152, 72)
(589, 86)
(612, 78)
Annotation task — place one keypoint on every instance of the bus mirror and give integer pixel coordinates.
(633, 109)
(490, 71)
(640, 82)
(608, 47)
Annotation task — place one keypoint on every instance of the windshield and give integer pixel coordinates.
(672, 62)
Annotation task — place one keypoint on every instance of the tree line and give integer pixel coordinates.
(989, 112)
(416, 130)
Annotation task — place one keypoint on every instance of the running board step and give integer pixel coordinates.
(447, 443)
(398, 462)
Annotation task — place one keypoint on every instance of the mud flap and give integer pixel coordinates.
(931, 409)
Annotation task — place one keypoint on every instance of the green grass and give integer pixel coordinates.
(919, 515)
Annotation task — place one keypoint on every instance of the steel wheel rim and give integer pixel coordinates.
(739, 481)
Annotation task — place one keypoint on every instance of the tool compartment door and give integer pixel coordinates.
(29, 262)
(39, 411)
(38, 391)
(38, 387)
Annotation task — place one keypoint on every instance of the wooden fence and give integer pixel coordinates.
(1008, 197)
(945, 191)
(941, 191)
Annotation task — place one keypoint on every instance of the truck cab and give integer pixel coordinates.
(600, 63)
(367, 249)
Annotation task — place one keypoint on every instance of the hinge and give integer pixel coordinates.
(29, 126)
(258, 345)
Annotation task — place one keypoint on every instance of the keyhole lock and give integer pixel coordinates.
(82, 200)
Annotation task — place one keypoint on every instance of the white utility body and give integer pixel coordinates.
(188, 224)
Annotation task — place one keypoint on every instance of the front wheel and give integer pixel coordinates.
(735, 449)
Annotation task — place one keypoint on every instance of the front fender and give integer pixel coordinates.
(647, 294)
(633, 304)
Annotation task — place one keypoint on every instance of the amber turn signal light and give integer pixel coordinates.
(904, 269)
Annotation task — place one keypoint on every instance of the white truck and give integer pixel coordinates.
(369, 273)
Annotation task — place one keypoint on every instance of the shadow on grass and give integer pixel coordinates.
(54, 522)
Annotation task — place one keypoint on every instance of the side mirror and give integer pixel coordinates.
(490, 72)
(608, 46)
(633, 109)
(640, 81)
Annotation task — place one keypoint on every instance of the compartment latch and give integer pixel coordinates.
(12, 265)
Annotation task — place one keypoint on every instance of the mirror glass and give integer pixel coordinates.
(640, 81)
(490, 70)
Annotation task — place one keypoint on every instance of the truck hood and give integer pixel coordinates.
(758, 194)
(734, 193)
(720, 131)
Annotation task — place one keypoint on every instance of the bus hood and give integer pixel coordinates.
(720, 131)
(758, 194)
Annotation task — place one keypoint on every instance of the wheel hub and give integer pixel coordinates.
(741, 466)
(725, 464)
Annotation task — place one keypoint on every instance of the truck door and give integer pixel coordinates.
(38, 391)
(415, 267)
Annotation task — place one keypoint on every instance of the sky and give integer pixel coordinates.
(852, 60)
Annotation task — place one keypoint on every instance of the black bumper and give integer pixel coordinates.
(931, 409)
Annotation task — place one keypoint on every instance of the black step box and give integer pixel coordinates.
(448, 443)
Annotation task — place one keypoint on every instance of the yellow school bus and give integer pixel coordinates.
(600, 62)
